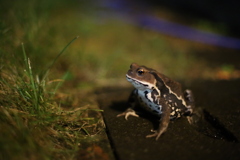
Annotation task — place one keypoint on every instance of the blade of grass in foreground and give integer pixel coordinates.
(32, 82)
(35, 89)
(54, 61)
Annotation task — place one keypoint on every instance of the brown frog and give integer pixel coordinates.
(159, 95)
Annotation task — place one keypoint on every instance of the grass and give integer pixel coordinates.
(47, 107)
(35, 127)
(38, 123)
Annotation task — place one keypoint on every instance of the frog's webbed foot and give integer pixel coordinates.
(156, 133)
(196, 116)
(159, 132)
(152, 135)
(128, 112)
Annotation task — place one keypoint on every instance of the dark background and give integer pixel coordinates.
(226, 11)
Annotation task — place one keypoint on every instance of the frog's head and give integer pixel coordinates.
(141, 77)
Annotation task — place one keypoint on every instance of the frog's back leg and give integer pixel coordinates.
(164, 121)
(193, 114)
(190, 102)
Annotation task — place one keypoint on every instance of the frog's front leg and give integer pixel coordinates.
(130, 111)
(164, 121)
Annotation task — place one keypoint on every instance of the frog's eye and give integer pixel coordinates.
(140, 72)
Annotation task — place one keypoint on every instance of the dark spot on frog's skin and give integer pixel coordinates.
(145, 85)
(155, 111)
(158, 108)
(136, 91)
(155, 96)
(146, 92)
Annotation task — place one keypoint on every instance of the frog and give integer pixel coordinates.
(158, 95)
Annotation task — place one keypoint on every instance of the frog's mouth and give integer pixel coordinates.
(136, 83)
(129, 78)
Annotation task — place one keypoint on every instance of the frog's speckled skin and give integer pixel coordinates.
(159, 95)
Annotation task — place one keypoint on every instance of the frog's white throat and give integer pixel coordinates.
(140, 85)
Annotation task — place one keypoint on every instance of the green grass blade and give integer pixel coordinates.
(59, 54)
(60, 83)
(32, 82)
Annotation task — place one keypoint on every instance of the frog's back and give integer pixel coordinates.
(173, 86)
